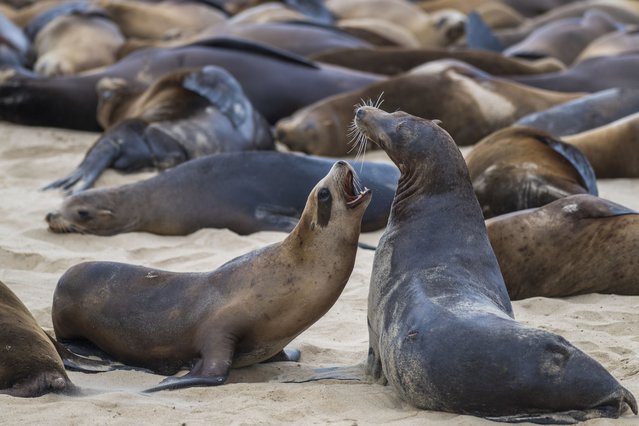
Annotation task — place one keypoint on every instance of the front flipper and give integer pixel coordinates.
(123, 147)
(99, 158)
(210, 370)
(187, 381)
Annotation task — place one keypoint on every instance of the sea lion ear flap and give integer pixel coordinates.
(437, 122)
(105, 212)
(222, 90)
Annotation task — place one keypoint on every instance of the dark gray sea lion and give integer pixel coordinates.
(396, 60)
(14, 44)
(592, 75)
(613, 149)
(29, 363)
(244, 192)
(518, 168)
(302, 38)
(564, 39)
(184, 115)
(584, 113)
(287, 82)
(441, 327)
(243, 313)
(72, 38)
(471, 96)
(576, 245)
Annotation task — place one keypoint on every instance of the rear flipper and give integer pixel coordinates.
(612, 407)
(480, 36)
(354, 373)
(285, 355)
(87, 358)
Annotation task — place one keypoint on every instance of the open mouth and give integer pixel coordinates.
(354, 196)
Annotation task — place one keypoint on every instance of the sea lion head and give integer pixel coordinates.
(91, 212)
(312, 130)
(336, 204)
(408, 140)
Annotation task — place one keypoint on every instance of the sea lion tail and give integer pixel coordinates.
(480, 36)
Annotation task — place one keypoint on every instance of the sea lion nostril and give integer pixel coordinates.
(360, 113)
(49, 217)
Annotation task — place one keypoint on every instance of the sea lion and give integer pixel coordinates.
(621, 11)
(264, 13)
(613, 149)
(243, 313)
(397, 60)
(161, 20)
(592, 75)
(313, 9)
(184, 115)
(584, 113)
(575, 245)
(14, 45)
(620, 42)
(72, 38)
(302, 38)
(441, 327)
(439, 29)
(518, 168)
(379, 32)
(237, 191)
(29, 363)
(287, 82)
(472, 96)
(564, 39)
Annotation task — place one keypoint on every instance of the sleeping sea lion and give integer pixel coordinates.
(184, 115)
(575, 245)
(518, 168)
(237, 191)
(471, 96)
(29, 362)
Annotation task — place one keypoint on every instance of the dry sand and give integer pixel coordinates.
(32, 259)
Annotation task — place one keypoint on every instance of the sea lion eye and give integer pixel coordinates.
(323, 195)
(83, 214)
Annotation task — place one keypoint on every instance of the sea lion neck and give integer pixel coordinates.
(440, 170)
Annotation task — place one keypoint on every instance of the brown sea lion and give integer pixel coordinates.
(564, 39)
(613, 149)
(518, 168)
(69, 39)
(237, 191)
(575, 245)
(29, 363)
(162, 20)
(439, 29)
(243, 313)
(379, 32)
(397, 60)
(265, 13)
(471, 96)
(617, 43)
(441, 326)
(184, 115)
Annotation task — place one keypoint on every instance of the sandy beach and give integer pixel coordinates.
(32, 259)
